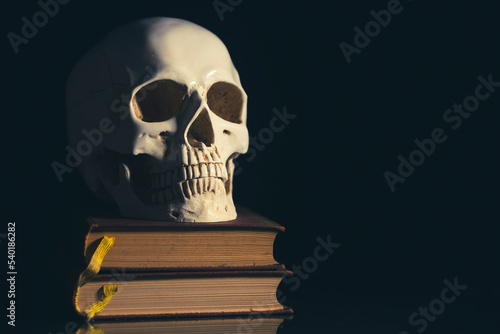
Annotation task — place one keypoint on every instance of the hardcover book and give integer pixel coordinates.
(148, 245)
(176, 294)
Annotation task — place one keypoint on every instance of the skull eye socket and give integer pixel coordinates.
(226, 101)
(159, 101)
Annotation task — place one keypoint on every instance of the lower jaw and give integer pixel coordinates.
(207, 186)
(208, 207)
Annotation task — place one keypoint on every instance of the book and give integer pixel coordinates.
(264, 324)
(146, 245)
(181, 294)
(142, 269)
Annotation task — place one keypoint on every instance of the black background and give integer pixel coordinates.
(322, 175)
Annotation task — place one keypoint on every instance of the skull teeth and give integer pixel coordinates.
(193, 156)
(203, 170)
(196, 171)
(188, 189)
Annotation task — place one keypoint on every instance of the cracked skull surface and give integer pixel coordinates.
(158, 112)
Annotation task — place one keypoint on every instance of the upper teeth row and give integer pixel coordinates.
(203, 154)
(170, 177)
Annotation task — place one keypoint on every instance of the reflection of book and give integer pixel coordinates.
(145, 245)
(208, 293)
(258, 324)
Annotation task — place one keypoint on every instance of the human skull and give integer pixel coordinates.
(163, 107)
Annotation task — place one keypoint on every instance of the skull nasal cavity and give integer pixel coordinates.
(201, 130)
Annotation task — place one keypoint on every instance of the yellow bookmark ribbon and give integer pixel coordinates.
(105, 293)
(103, 296)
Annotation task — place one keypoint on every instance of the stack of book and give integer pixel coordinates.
(183, 270)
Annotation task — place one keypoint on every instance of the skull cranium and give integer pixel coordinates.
(174, 110)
